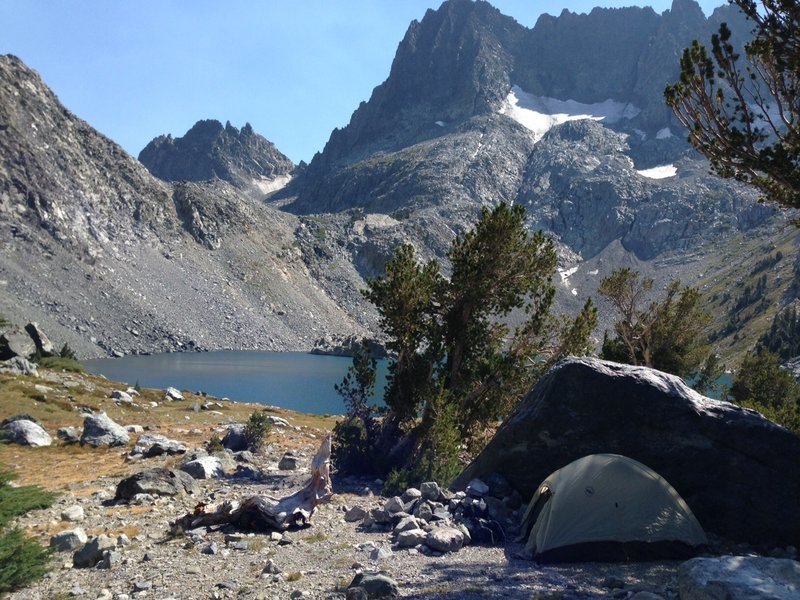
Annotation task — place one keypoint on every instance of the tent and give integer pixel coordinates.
(607, 507)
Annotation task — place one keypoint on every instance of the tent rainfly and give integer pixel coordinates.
(607, 507)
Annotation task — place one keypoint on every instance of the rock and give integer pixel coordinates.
(288, 462)
(134, 428)
(235, 439)
(356, 593)
(18, 365)
(394, 504)
(376, 585)
(15, 342)
(68, 540)
(499, 487)
(411, 538)
(172, 393)
(157, 482)
(205, 467)
(739, 578)
(278, 421)
(92, 552)
(477, 488)
(644, 595)
(410, 494)
(381, 553)
(356, 513)
(25, 433)
(445, 539)
(408, 523)
(110, 559)
(737, 471)
(43, 344)
(68, 435)
(154, 444)
(212, 548)
(73, 513)
(271, 568)
(101, 430)
(429, 490)
(121, 396)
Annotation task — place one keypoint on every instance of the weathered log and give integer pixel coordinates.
(262, 512)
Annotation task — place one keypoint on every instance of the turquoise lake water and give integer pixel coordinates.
(293, 380)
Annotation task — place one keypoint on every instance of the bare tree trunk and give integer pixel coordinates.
(265, 512)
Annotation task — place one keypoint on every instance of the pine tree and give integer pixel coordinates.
(744, 115)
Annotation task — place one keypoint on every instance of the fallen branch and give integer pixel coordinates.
(264, 512)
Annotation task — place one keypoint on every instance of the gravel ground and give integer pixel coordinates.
(316, 562)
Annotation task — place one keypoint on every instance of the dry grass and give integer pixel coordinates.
(69, 467)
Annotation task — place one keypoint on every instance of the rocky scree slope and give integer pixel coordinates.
(208, 150)
(112, 260)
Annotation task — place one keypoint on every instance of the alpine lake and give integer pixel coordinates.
(292, 380)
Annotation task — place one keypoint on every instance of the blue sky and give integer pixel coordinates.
(294, 69)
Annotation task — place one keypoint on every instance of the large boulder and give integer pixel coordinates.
(16, 342)
(205, 467)
(154, 444)
(102, 430)
(43, 344)
(739, 578)
(19, 366)
(156, 482)
(738, 471)
(25, 432)
(235, 439)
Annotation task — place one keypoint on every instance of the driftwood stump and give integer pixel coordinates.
(264, 512)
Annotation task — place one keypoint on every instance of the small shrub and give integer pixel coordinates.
(397, 482)
(60, 363)
(22, 560)
(296, 576)
(214, 444)
(67, 352)
(256, 430)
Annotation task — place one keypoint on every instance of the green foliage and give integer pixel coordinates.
(783, 337)
(358, 385)
(256, 430)
(22, 560)
(762, 384)
(440, 441)
(397, 482)
(458, 365)
(15, 501)
(3, 322)
(214, 444)
(67, 352)
(664, 334)
(58, 363)
(744, 115)
(354, 438)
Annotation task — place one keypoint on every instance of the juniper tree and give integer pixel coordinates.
(455, 352)
(665, 334)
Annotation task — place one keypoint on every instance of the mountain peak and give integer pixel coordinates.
(209, 150)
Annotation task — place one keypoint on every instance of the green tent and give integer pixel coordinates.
(607, 507)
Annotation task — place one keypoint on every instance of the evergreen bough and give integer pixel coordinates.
(22, 560)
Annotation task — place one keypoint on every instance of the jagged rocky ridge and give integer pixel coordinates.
(208, 150)
(112, 260)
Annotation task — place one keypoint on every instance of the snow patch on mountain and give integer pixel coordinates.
(660, 172)
(541, 113)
